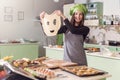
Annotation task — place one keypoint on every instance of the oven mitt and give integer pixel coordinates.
(51, 24)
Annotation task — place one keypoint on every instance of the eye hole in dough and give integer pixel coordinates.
(48, 23)
(54, 21)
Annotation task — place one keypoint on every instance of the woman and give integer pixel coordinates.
(74, 34)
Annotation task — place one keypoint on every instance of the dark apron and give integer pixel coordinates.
(73, 48)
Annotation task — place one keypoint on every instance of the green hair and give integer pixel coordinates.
(79, 7)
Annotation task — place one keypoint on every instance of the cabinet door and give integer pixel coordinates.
(19, 51)
(112, 48)
(55, 54)
(117, 49)
(106, 64)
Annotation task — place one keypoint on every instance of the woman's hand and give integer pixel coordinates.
(59, 13)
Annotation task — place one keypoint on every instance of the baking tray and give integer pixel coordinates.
(9, 68)
(67, 69)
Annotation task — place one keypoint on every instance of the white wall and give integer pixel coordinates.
(26, 28)
(16, 29)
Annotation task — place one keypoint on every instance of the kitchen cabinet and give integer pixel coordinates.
(106, 64)
(18, 51)
(54, 53)
(95, 13)
(118, 49)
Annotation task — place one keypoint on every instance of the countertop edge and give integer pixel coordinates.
(91, 54)
(18, 44)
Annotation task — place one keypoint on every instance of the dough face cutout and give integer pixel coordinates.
(51, 24)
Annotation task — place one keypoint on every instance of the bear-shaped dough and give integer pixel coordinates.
(51, 24)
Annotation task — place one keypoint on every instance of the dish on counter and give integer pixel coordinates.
(92, 49)
(14, 41)
(55, 46)
(25, 62)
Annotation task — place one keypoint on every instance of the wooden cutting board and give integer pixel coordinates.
(53, 63)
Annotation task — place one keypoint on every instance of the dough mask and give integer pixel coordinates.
(51, 24)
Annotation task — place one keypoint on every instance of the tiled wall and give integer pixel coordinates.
(102, 34)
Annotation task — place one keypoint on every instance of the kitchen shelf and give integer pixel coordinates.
(95, 11)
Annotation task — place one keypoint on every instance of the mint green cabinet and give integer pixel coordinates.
(54, 53)
(112, 48)
(118, 49)
(107, 64)
(19, 51)
(95, 11)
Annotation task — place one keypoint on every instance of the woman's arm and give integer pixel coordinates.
(82, 30)
(62, 29)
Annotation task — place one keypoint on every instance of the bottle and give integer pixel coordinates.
(87, 40)
(94, 40)
(104, 20)
(112, 20)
